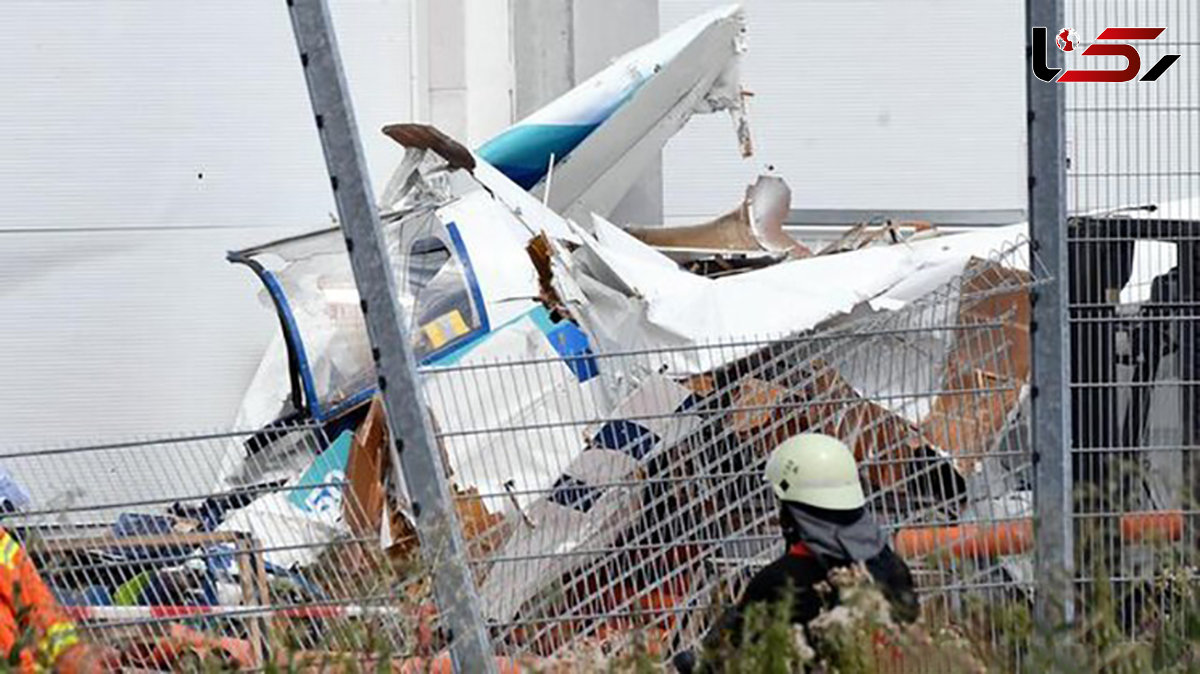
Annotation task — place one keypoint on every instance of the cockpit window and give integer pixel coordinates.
(426, 256)
(438, 296)
(314, 275)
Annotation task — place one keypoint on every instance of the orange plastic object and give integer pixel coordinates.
(1163, 526)
(441, 665)
(967, 541)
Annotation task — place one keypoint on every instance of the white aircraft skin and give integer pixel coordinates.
(461, 235)
(599, 137)
(472, 291)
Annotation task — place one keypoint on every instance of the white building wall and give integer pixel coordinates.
(557, 44)
(866, 104)
(464, 67)
(142, 140)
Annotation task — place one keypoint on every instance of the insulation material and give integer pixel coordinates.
(755, 226)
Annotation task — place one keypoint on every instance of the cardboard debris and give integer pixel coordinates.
(758, 416)
(363, 506)
(997, 294)
(966, 418)
(878, 436)
(481, 527)
(367, 497)
(986, 368)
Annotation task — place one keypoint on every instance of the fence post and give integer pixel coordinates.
(1051, 408)
(413, 445)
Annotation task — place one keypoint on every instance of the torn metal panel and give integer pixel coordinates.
(499, 430)
(592, 501)
(605, 131)
(295, 522)
(888, 232)
(618, 280)
(754, 227)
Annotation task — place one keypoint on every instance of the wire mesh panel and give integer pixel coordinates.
(1134, 196)
(602, 496)
(243, 547)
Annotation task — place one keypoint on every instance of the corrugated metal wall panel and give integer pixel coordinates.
(143, 140)
(1135, 143)
(183, 113)
(866, 104)
(124, 333)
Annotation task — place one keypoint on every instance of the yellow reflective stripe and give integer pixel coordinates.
(8, 551)
(434, 332)
(59, 637)
(457, 325)
(445, 328)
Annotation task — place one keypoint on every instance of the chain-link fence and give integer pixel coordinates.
(599, 495)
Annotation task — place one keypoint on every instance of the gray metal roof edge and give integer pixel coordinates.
(842, 217)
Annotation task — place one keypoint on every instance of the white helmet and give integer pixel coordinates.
(815, 469)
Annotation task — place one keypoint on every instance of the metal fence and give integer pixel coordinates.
(1133, 193)
(639, 503)
(254, 546)
(598, 497)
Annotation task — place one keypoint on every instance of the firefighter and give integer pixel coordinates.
(35, 634)
(825, 526)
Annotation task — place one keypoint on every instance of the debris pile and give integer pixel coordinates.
(602, 396)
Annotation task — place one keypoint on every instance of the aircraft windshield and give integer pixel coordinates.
(314, 275)
(435, 291)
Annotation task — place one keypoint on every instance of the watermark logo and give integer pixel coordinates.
(1066, 40)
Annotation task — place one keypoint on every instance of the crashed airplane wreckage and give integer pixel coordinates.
(602, 393)
(635, 367)
(558, 359)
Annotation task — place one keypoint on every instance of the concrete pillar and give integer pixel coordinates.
(543, 36)
(463, 66)
(558, 43)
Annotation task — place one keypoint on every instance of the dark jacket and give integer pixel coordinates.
(801, 570)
